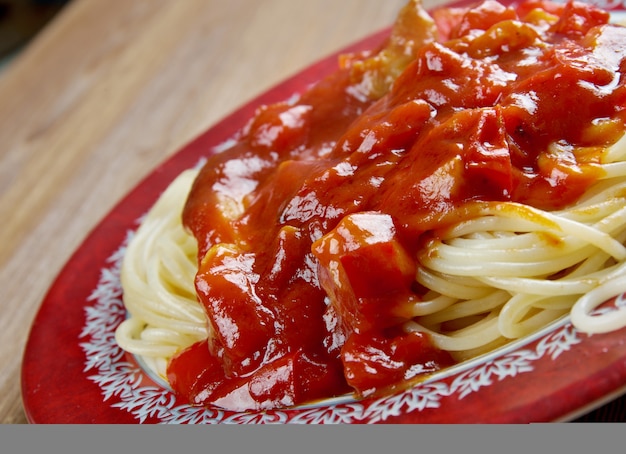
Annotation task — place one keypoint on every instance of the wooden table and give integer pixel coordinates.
(109, 90)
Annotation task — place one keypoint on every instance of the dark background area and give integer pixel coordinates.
(21, 20)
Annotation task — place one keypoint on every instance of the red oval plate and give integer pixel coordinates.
(74, 372)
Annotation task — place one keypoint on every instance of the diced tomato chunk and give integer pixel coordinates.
(578, 18)
(483, 16)
(375, 361)
(243, 327)
(308, 378)
(292, 379)
(362, 267)
(488, 160)
(195, 373)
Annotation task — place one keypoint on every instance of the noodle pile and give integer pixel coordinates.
(157, 277)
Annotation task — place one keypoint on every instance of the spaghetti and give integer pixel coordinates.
(157, 279)
(415, 209)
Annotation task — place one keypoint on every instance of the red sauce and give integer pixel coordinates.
(309, 225)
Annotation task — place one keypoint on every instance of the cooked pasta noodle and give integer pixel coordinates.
(157, 277)
(517, 269)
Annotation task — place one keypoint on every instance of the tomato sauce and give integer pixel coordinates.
(308, 226)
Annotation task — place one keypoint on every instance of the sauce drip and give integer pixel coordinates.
(309, 225)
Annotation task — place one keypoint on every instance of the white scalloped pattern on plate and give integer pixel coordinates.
(121, 382)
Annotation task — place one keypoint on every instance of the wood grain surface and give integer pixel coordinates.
(105, 93)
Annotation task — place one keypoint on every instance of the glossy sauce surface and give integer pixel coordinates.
(309, 224)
